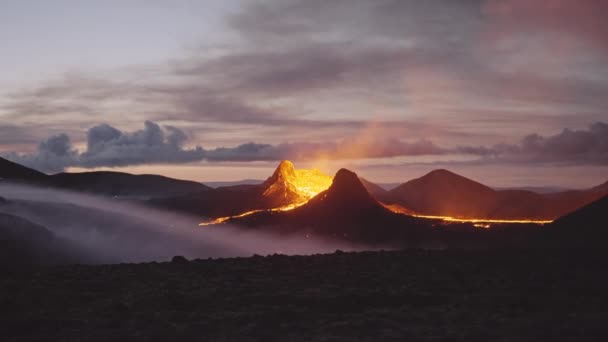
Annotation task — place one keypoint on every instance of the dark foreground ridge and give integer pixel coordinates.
(371, 296)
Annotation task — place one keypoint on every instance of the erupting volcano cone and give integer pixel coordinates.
(290, 187)
(280, 188)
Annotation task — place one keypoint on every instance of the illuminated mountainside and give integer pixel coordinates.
(444, 193)
(290, 187)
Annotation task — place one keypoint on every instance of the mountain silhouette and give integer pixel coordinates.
(591, 216)
(375, 190)
(101, 182)
(583, 228)
(125, 184)
(444, 193)
(10, 171)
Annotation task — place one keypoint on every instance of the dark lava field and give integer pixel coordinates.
(370, 296)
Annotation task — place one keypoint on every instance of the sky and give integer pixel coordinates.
(508, 92)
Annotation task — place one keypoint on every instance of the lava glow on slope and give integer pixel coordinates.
(301, 185)
(305, 183)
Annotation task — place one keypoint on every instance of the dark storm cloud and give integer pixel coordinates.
(568, 147)
(108, 146)
(346, 149)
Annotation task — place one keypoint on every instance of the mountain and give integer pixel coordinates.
(583, 228)
(14, 172)
(444, 193)
(600, 188)
(220, 184)
(125, 184)
(591, 216)
(377, 191)
(102, 182)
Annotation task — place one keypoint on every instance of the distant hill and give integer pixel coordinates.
(600, 188)
(14, 172)
(125, 184)
(537, 189)
(376, 190)
(101, 182)
(445, 193)
(442, 192)
(234, 183)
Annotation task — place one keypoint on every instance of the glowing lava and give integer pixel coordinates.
(477, 222)
(289, 187)
(482, 223)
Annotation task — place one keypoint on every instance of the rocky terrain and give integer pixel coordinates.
(412, 295)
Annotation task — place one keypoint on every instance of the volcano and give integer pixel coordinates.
(288, 186)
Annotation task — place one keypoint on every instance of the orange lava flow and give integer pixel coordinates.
(481, 223)
(220, 220)
(477, 222)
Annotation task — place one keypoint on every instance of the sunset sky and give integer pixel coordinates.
(508, 92)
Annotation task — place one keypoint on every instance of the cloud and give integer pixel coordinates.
(568, 147)
(53, 154)
(583, 19)
(110, 147)
(107, 146)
